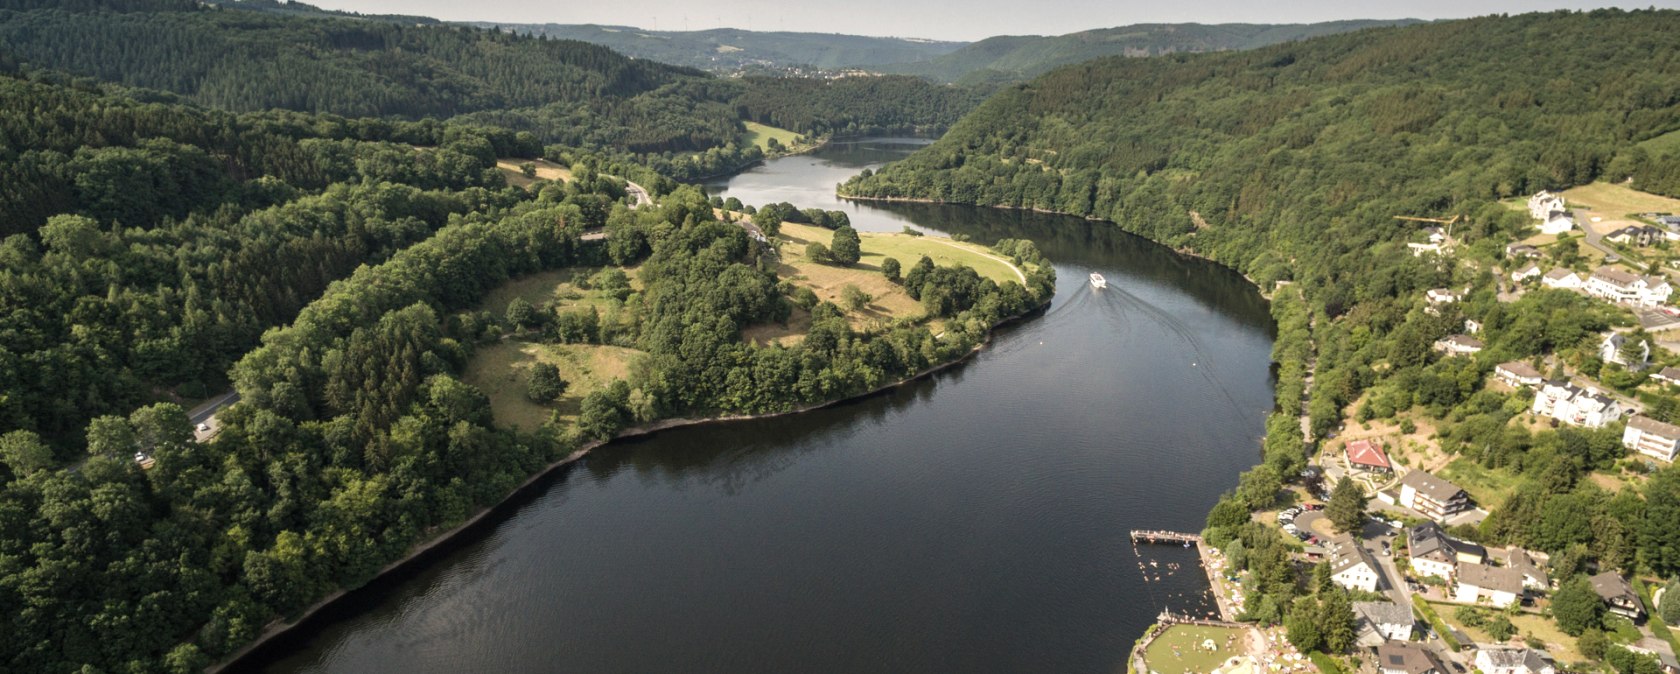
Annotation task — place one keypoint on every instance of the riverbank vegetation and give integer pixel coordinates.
(337, 272)
(1291, 163)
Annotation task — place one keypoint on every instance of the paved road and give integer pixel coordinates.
(1594, 238)
(639, 192)
(203, 417)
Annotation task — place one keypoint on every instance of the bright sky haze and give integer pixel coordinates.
(946, 20)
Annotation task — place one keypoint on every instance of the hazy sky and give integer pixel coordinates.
(947, 20)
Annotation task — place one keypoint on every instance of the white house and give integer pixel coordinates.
(1557, 223)
(1441, 296)
(1381, 621)
(1529, 271)
(1624, 287)
(1459, 345)
(1351, 566)
(1543, 204)
(1472, 326)
(1610, 351)
(1431, 496)
(1507, 660)
(1479, 583)
(1529, 566)
(1562, 279)
(1517, 374)
(1652, 438)
(1430, 551)
(1574, 405)
(1519, 250)
(1636, 235)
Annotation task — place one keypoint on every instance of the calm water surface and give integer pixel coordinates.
(974, 522)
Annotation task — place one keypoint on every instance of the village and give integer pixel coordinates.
(1431, 599)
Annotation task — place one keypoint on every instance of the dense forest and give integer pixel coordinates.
(1012, 58)
(854, 106)
(327, 268)
(1291, 163)
(241, 57)
(732, 50)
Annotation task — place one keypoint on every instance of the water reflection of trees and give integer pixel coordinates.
(1092, 243)
(730, 456)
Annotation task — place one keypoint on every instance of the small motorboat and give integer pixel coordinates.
(1097, 281)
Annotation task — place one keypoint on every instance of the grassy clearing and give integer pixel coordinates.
(561, 287)
(546, 170)
(760, 135)
(889, 300)
(1179, 650)
(1617, 202)
(1489, 487)
(1561, 646)
(499, 370)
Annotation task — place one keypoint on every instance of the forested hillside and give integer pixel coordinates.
(261, 56)
(1291, 163)
(155, 252)
(1297, 156)
(856, 105)
(147, 245)
(729, 50)
(1012, 58)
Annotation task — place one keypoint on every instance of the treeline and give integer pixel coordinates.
(1290, 164)
(248, 60)
(855, 106)
(355, 439)
(148, 245)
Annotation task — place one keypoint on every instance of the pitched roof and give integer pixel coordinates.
(1528, 269)
(1670, 373)
(1524, 563)
(1654, 427)
(1611, 585)
(1615, 276)
(1464, 341)
(1367, 453)
(1520, 369)
(1405, 657)
(1433, 487)
(1346, 554)
(1383, 612)
(1429, 540)
(1502, 579)
(1559, 273)
(1511, 658)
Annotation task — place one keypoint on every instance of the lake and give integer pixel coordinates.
(974, 521)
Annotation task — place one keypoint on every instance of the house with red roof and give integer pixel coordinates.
(1367, 455)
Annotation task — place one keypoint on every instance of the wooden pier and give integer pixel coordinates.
(1152, 536)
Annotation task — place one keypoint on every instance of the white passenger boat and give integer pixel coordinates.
(1097, 281)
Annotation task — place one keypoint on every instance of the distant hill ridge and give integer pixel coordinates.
(734, 49)
(1008, 58)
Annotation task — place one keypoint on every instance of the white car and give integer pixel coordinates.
(204, 428)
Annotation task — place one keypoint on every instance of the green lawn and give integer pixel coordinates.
(499, 370)
(1561, 646)
(1179, 650)
(1489, 487)
(760, 135)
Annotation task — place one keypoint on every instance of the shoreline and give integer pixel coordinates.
(1181, 250)
(421, 550)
